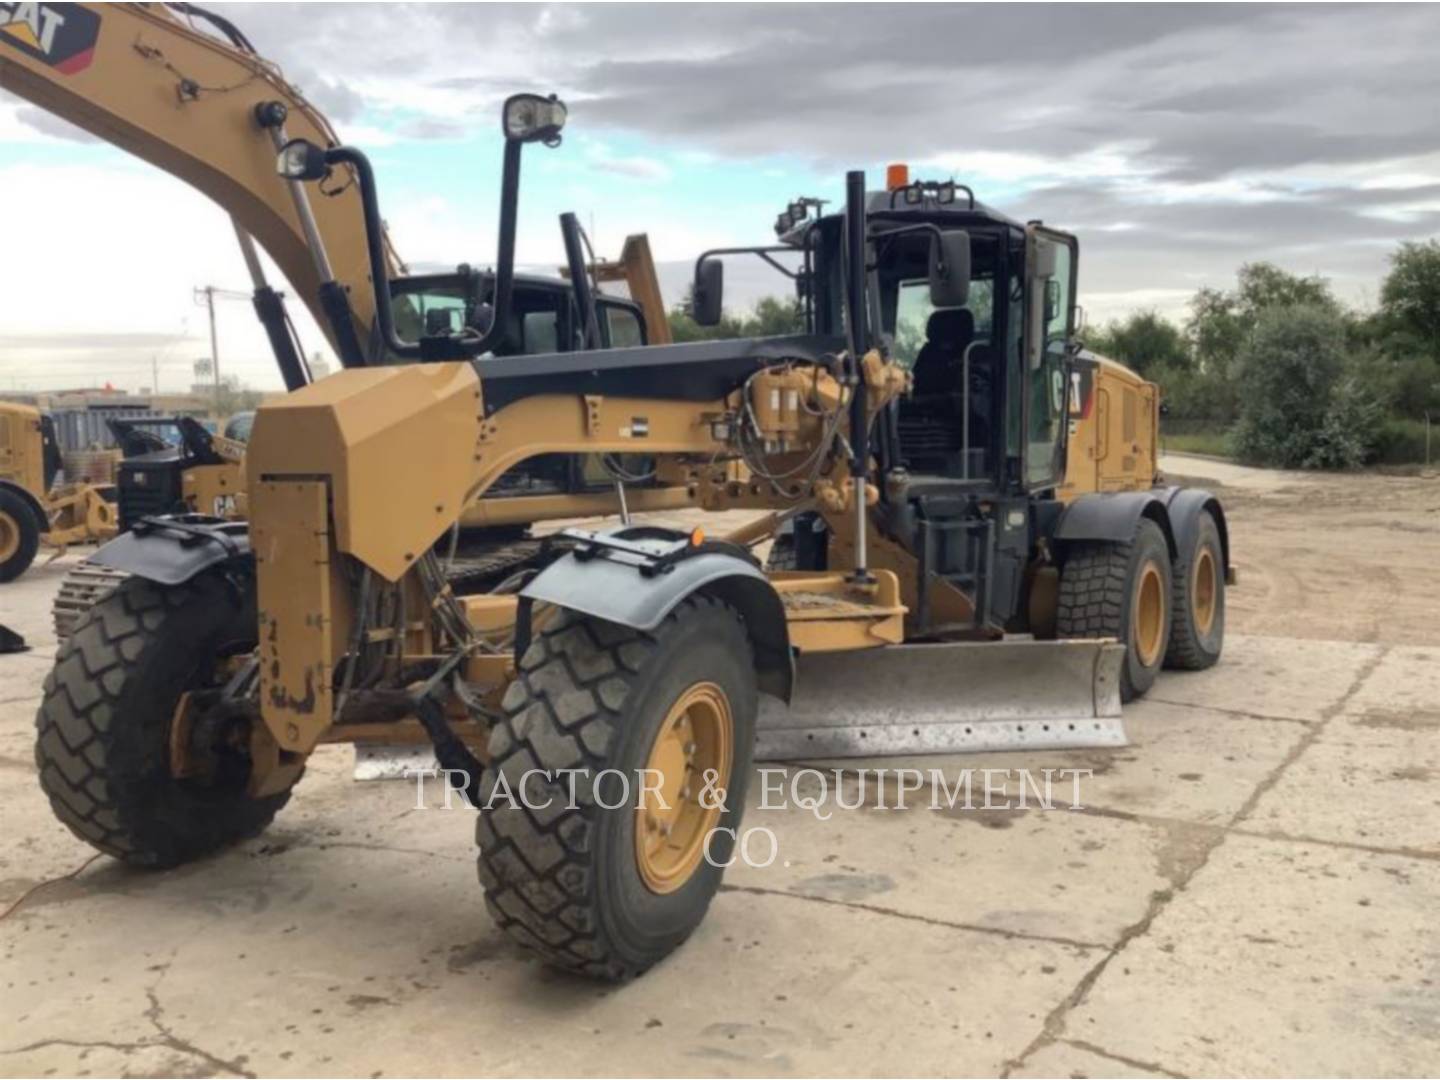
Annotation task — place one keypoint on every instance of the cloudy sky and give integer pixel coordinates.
(1178, 141)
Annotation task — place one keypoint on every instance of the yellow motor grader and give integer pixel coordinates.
(942, 554)
(604, 708)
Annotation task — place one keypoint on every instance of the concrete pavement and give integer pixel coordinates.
(1250, 888)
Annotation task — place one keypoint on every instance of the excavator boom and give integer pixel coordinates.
(149, 80)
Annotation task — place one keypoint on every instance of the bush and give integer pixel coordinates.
(1402, 442)
(1300, 404)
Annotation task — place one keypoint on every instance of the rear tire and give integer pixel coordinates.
(19, 535)
(103, 731)
(1121, 591)
(1197, 631)
(568, 881)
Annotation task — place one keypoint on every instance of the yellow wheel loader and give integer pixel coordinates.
(603, 710)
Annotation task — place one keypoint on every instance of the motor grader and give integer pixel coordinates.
(952, 600)
(34, 510)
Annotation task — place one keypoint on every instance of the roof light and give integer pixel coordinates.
(897, 176)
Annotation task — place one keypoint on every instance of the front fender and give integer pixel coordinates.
(172, 550)
(619, 593)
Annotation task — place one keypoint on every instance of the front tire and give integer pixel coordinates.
(1121, 591)
(103, 731)
(19, 535)
(592, 885)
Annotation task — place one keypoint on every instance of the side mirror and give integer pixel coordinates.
(950, 269)
(709, 291)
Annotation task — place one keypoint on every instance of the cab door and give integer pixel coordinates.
(1051, 273)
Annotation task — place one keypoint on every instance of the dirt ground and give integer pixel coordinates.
(1331, 556)
(1249, 887)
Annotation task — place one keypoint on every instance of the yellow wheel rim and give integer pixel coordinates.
(1149, 617)
(1204, 591)
(9, 536)
(672, 820)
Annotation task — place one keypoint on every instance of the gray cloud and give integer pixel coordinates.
(1312, 107)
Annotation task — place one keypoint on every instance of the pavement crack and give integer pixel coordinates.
(875, 909)
(83, 1044)
(1309, 738)
(1053, 1028)
(155, 1014)
(1243, 714)
(19, 901)
(1134, 1063)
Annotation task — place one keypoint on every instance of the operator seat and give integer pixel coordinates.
(937, 366)
(932, 424)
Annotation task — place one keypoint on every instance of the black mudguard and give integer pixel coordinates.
(622, 592)
(173, 550)
(1114, 516)
(1185, 505)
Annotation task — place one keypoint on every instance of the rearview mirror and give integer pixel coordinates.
(709, 291)
(950, 269)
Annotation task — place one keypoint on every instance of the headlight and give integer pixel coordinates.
(532, 118)
(301, 160)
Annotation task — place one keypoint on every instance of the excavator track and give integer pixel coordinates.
(80, 590)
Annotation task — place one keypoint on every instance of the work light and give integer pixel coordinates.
(301, 159)
(532, 118)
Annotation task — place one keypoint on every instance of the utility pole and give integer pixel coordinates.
(205, 296)
(208, 292)
(155, 375)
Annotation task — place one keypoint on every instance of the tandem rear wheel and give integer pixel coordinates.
(610, 875)
(1122, 591)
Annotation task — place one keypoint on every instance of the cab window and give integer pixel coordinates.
(623, 326)
(1053, 300)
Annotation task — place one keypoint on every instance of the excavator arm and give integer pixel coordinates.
(205, 107)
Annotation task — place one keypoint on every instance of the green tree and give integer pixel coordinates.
(773, 316)
(1222, 321)
(1410, 294)
(1145, 342)
(1302, 402)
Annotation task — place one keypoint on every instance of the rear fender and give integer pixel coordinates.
(1185, 505)
(173, 550)
(619, 593)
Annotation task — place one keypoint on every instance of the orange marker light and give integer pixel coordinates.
(896, 177)
(697, 537)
